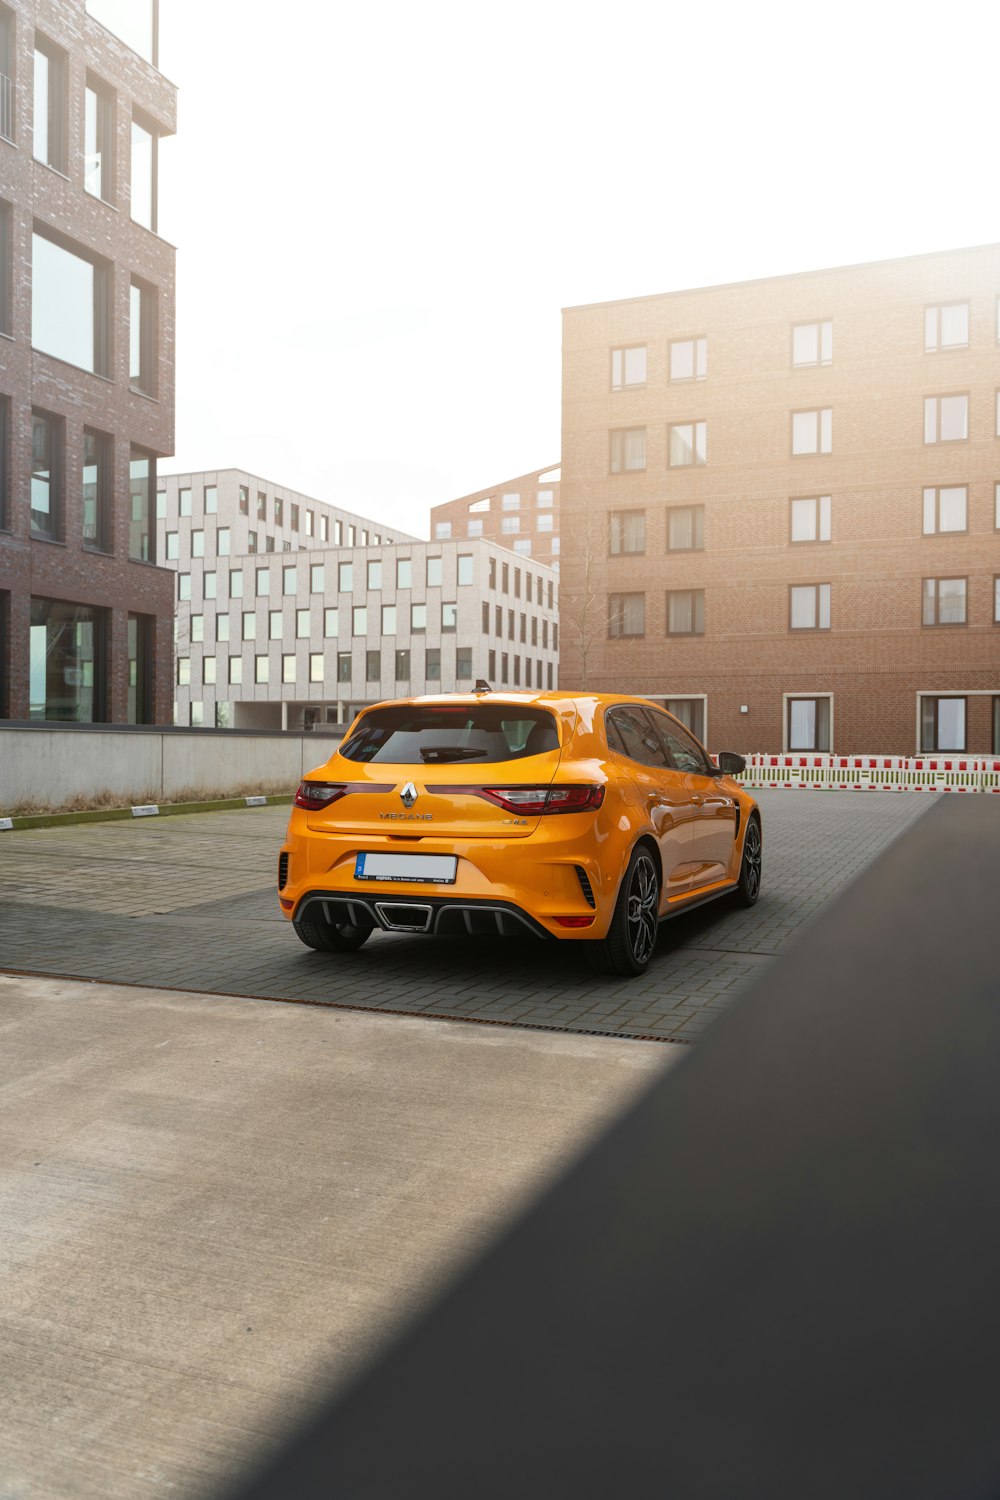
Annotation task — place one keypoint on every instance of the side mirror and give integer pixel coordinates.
(731, 764)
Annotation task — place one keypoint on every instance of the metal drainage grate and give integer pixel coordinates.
(585, 886)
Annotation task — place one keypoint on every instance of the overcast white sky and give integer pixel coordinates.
(381, 208)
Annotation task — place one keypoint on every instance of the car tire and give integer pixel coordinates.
(631, 938)
(748, 887)
(331, 937)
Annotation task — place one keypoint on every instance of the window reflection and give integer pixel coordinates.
(66, 647)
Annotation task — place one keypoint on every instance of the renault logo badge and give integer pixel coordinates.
(408, 795)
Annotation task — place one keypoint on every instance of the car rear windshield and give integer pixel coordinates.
(443, 736)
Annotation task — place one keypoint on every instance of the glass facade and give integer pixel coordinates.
(96, 485)
(142, 488)
(68, 305)
(46, 434)
(66, 658)
(143, 176)
(140, 670)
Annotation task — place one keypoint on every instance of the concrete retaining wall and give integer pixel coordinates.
(49, 764)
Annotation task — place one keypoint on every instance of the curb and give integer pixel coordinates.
(116, 814)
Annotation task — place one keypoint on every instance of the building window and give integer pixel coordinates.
(236, 670)
(492, 666)
(545, 521)
(4, 469)
(388, 619)
(51, 77)
(465, 569)
(316, 664)
(288, 668)
(442, 530)
(196, 713)
(812, 343)
(289, 581)
(493, 561)
(244, 500)
(310, 522)
(142, 523)
(996, 601)
(510, 624)
(942, 724)
(261, 505)
(69, 304)
(809, 606)
(628, 532)
(331, 623)
(509, 525)
(402, 666)
(435, 572)
(449, 617)
(6, 255)
(66, 662)
(691, 712)
(946, 326)
(504, 669)
(689, 359)
(262, 669)
(688, 444)
(222, 628)
(946, 509)
(351, 536)
(418, 618)
(404, 573)
(183, 671)
(222, 542)
(324, 527)
(374, 574)
(685, 528)
(359, 620)
(432, 669)
(263, 583)
(222, 716)
(343, 666)
(685, 612)
(474, 528)
(211, 499)
(809, 723)
(6, 73)
(946, 419)
(236, 583)
(184, 500)
(345, 577)
(134, 21)
(97, 530)
(522, 546)
(544, 499)
(463, 664)
(276, 624)
(249, 627)
(293, 514)
(208, 671)
(139, 709)
(628, 449)
(809, 519)
(198, 543)
(251, 541)
(98, 140)
(317, 578)
(628, 367)
(486, 618)
(626, 616)
(944, 601)
(812, 431)
(144, 174)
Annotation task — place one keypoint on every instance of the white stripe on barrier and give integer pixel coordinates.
(858, 773)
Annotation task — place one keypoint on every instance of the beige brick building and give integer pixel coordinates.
(521, 514)
(781, 505)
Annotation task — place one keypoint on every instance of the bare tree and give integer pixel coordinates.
(583, 610)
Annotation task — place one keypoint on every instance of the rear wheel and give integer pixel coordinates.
(331, 937)
(631, 938)
(748, 889)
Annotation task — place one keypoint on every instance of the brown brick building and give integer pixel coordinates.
(521, 514)
(781, 505)
(86, 363)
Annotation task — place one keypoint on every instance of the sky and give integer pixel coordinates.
(381, 208)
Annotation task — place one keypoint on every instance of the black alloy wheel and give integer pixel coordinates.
(631, 938)
(748, 888)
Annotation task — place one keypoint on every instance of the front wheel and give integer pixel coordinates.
(631, 938)
(748, 888)
(330, 937)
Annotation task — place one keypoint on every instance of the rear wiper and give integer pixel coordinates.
(449, 752)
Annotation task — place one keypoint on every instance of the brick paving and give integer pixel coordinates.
(189, 903)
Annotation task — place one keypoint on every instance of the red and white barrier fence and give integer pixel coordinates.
(872, 773)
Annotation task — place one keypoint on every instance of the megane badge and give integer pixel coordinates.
(408, 795)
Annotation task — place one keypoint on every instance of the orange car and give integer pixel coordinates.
(581, 816)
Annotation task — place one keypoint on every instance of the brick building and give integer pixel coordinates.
(86, 363)
(781, 505)
(293, 613)
(521, 514)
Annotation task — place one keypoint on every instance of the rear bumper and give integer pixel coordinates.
(440, 915)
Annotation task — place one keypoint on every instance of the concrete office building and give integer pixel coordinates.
(86, 363)
(781, 505)
(521, 513)
(293, 613)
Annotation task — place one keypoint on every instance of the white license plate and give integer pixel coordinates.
(425, 869)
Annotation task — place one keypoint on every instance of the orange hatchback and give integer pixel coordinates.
(589, 817)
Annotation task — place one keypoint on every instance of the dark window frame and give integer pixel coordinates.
(937, 623)
(697, 527)
(616, 617)
(617, 520)
(696, 595)
(936, 699)
(810, 629)
(55, 458)
(103, 539)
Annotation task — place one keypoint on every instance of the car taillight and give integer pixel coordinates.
(538, 800)
(316, 794)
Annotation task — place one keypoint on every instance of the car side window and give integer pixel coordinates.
(630, 732)
(684, 751)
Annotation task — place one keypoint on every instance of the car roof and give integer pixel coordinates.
(551, 699)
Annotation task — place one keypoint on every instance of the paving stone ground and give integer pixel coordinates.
(189, 903)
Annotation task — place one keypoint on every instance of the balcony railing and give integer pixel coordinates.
(6, 108)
